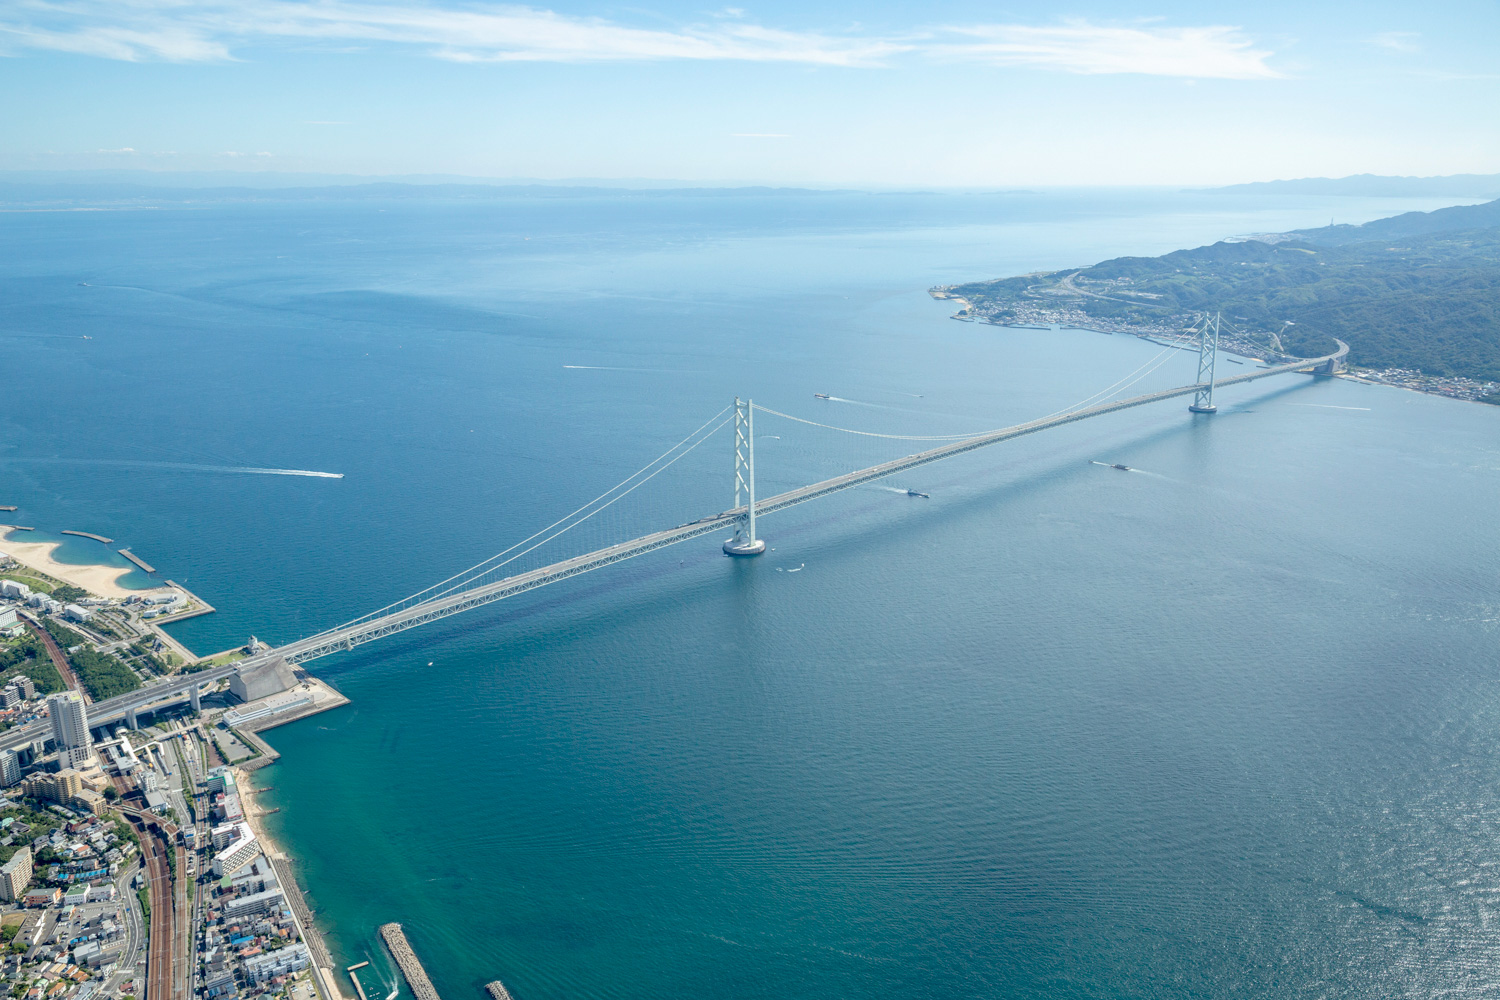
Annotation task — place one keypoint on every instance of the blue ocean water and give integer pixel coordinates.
(1222, 726)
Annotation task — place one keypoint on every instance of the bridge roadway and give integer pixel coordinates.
(348, 637)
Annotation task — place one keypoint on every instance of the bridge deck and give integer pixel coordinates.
(366, 631)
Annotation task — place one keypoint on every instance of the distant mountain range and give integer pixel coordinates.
(1374, 186)
(1418, 291)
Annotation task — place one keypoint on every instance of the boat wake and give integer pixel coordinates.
(124, 463)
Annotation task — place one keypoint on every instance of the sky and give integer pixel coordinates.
(817, 92)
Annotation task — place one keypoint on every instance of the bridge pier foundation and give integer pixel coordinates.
(131, 719)
(195, 698)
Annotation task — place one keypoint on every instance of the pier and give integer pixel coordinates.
(358, 986)
(143, 564)
(411, 967)
(87, 534)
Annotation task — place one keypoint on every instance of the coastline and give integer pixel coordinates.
(95, 578)
(325, 972)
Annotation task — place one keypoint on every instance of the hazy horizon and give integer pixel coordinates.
(874, 95)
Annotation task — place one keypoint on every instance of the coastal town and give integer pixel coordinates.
(1061, 306)
(133, 859)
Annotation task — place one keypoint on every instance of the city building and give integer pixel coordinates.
(90, 800)
(256, 902)
(104, 893)
(10, 768)
(70, 722)
(14, 589)
(15, 875)
(223, 834)
(292, 958)
(59, 787)
(73, 612)
(10, 695)
(43, 897)
(10, 625)
(238, 852)
(26, 686)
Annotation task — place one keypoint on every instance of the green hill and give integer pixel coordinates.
(1420, 291)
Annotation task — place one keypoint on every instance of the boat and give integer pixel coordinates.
(1122, 468)
(821, 395)
(914, 493)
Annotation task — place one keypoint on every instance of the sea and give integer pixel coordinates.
(1224, 725)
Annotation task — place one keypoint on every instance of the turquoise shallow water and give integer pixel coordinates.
(86, 552)
(1224, 726)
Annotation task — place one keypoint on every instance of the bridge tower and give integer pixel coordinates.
(1208, 351)
(744, 542)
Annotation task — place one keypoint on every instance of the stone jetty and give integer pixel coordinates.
(411, 968)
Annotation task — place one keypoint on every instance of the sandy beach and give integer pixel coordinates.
(101, 581)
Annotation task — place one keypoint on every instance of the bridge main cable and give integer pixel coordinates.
(367, 630)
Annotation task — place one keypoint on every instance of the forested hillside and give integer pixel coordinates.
(1415, 291)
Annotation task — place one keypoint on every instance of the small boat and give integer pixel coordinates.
(821, 395)
(1122, 468)
(914, 493)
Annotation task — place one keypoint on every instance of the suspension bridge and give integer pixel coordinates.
(481, 584)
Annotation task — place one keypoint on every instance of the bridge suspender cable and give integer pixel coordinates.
(484, 566)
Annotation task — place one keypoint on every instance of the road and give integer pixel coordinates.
(135, 932)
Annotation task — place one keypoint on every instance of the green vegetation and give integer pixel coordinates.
(68, 592)
(28, 657)
(1417, 291)
(105, 676)
(65, 636)
(145, 898)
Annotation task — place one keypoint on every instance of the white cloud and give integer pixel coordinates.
(212, 30)
(1396, 41)
(1214, 52)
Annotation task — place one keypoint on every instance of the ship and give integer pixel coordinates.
(821, 395)
(1122, 468)
(914, 493)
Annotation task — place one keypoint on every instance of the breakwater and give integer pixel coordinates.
(497, 990)
(411, 967)
(143, 564)
(89, 534)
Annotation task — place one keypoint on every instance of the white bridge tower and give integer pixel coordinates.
(1208, 350)
(744, 542)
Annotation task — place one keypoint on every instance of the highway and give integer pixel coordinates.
(370, 629)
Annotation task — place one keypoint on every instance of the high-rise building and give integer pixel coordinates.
(70, 720)
(10, 768)
(15, 875)
(59, 787)
(27, 686)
